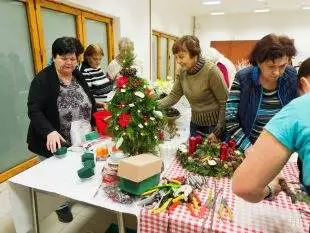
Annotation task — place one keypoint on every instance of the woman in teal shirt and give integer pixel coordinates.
(287, 132)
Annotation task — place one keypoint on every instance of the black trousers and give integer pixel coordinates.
(203, 129)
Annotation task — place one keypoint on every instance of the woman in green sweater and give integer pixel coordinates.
(202, 84)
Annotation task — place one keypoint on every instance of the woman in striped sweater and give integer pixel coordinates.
(99, 83)
(261, 90)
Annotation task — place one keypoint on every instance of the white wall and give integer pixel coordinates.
(132, 20)
(296, 25)
(172, 17)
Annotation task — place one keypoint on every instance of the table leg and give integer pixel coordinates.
(120, 221)
(34, 208)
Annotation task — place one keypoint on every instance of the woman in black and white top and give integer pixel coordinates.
(99, 83)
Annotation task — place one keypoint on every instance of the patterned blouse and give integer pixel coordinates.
(73, 104)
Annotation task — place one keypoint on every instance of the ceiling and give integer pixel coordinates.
(243, 6)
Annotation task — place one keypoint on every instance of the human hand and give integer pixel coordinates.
(275, 184)
(102, 105)
(53, 141)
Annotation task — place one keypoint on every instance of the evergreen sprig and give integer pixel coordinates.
(142, 134)
(208, 151)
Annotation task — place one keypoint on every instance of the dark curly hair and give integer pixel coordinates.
(65, 45)
(272, 47)
(188, 44)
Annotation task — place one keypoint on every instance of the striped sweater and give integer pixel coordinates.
(270, 104)
(99, 83)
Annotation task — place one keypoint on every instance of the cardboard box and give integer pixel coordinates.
(140, 167)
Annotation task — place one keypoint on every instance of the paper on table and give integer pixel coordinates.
(266, 218)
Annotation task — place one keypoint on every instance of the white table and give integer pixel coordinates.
(59, 176)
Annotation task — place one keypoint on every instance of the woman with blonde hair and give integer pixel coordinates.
(99, 83)
(125, 47)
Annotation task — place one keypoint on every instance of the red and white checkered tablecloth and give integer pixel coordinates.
(278, 216)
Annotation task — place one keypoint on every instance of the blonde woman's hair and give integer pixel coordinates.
(125, 44)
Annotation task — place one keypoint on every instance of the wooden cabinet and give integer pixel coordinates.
(235, 50)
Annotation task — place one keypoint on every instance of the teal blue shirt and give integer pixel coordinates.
(291, 127)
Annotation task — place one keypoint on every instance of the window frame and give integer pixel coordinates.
(110, 32)
(35, 19)
(170, 39)
(37, 41)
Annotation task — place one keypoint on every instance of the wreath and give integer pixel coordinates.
(213, 159)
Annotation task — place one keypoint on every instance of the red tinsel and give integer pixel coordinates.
(121, 82)
(124, 119)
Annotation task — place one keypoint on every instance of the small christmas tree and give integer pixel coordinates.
(137, 121)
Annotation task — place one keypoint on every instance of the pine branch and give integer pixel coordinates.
(288, 191)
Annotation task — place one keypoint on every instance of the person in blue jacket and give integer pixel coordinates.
(261, 90)
(287, 132)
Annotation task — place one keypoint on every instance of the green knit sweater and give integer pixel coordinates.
(206, 92)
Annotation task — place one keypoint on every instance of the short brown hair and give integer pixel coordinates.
(272, 47)
(188, 44)
(93, 49)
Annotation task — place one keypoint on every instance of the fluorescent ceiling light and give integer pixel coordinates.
(305, 8)
(217, 13)
(261, 10)
(215, 2)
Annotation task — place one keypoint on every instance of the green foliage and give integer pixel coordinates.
(302, 197)
(143, 132)
(210, 152)
(126, 59)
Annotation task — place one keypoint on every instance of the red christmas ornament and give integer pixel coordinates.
(121, 82)
(124, 119)
(224, 151)
(232, 144)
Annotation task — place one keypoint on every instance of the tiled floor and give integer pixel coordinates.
(87, 219)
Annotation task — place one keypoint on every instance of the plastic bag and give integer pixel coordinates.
(78, 130)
